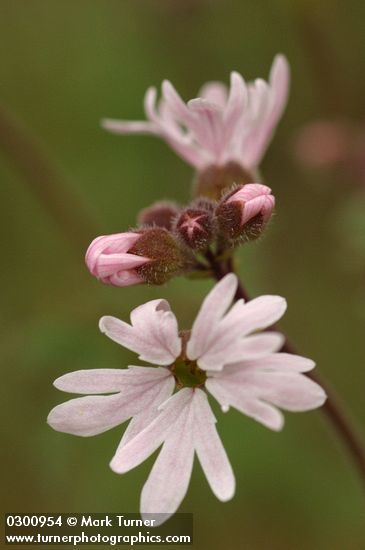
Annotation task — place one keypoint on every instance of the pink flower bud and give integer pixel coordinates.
(195, 226)
(243, 213)
(153, 256)
(109, 260)
(160, 214)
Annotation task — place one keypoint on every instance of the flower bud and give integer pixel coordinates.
(214, 180)
(149, 256)
(167, 258)
(195, 225)
(160, 214)
(244, 212)
(109, 260)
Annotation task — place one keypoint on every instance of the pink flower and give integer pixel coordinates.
(108, 258)
(224, 355)
(253, 199)
(220, 125)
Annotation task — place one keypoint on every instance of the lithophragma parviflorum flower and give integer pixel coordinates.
(219, 126)
(224, 355)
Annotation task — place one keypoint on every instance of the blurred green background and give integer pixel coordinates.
(65, 64)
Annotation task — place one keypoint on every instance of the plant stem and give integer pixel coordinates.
(332, 408)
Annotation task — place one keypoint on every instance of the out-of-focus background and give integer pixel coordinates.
(64, 66)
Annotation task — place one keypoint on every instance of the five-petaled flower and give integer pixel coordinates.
(220, 125)
(223, 354)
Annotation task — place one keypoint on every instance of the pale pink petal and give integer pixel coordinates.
(175, 104)
(250, 347)
(279, 82)
(148, 440)
(123, 334)
(108, 263)
(109, 244)
(141, 420)
(210, 313)
(168, 481)
(158, 325)
(214, 92)
(93, 381)
(277, 362)
(271, 111)
(92, 415)
(291, 391)
(259, 345)
(257, 314)
(129, 127)
(153, 334)
(253, 199)
(168, 130)
(211, 453)
(234, 113)
(150, 99)
(229, 394)
(123, 278)
(208, 126)
(262, 412)
(242, 319)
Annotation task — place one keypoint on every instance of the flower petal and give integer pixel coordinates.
(153, 334)
(174, 102)
(129, 127)
(240, 320)
(214, 92)
(210, 313)
(149, 439)
(290, 391)
(277, 362)
(93, 381)
(168, 481)
(141, 420)
(91, 415)
(229, 394)
(250, 347)
(272, 104)
(211, 453)
(109, 244)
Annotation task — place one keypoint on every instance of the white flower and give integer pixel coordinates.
(220, 125)
(221, 356)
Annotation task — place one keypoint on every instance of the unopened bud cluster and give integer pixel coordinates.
(168, 236)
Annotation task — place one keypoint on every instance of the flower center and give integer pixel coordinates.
(187, 373)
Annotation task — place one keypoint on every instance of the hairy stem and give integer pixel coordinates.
(332, 408)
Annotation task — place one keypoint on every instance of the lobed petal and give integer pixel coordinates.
(153, 333)
(212, 310)
(93, 381)
(250, 347)
(169, 478)
(94, 414)
(277, 362)
(138, 449)
(210, 451)
(229, 394)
